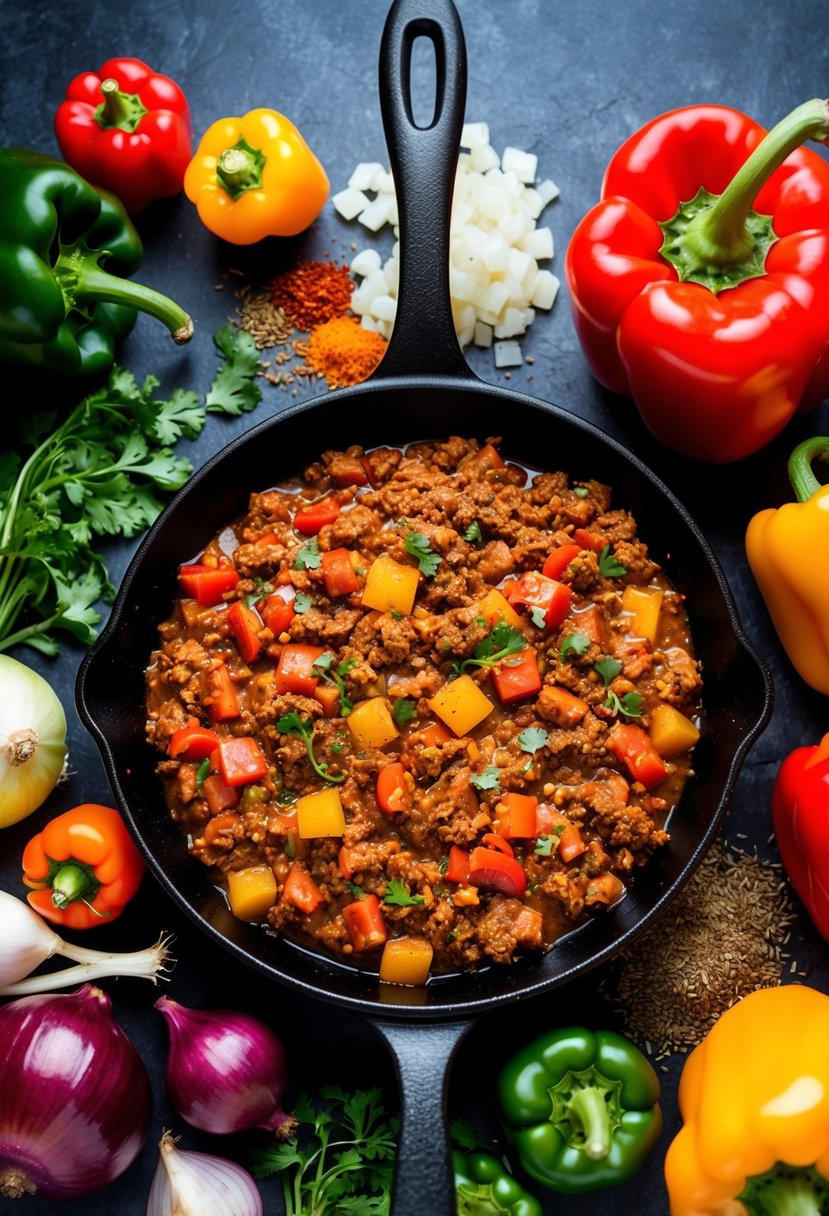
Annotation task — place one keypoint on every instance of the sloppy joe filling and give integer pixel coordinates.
(424, 709)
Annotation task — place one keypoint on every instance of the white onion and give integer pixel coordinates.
(199, 1184)
(32, 740)
(495, 280)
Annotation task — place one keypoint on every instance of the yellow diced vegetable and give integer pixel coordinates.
(644, 605)
(320, 814)
(406, 960)
(252, 892)
(495, 607)
(390, 587)
(461, 705)
(671, 732)
(371, 723)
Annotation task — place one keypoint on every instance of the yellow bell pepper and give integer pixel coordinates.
(461, 705)
(495, 607)
(254, 177)
(251, 892)
(320, 814)
(406, 960)
(788, 551)
(371, 723)
(644, 605)
(671, 732)
(390, 587)
(754, 1099)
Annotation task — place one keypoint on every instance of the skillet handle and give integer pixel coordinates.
(423, 162)
(424, 1181)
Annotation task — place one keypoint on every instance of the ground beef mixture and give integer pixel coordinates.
(424, 700)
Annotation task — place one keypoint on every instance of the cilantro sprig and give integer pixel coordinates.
(397, 895)
(489, 779)
(417, 545)
(609, 564)
(473, 534)
(500, 643)
(629, 705)
(342, 1158)
(308, 556)
(334, 675)
(403, 710)
(608, 669)
(575, 643)
(292, 724)
(532, 739)
(103, 471)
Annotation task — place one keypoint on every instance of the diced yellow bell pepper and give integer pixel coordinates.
(406, 960)
(320, 814)
(461, 705)
(371, 723)
(252, 892)
(390, 587)
(495, 607)
(671, 732)
(644, 605)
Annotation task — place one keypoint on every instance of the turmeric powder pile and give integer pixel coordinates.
(343, 352)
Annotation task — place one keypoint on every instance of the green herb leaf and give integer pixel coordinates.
(202, 771)
(532, 739)
(502, 642)
(544, 846)
(397, 895)
(292, 724)
(608, 669)
(309, 556)
(417, 545)
(234, 390)
(609, 566)
(473, 534)
(403, 711)
(462, 1133)
(334, 676)
(581, 491)
(489, 779)
(575, 643)
(261, 590)
(538, 617)
(302, 602)
(630, 705)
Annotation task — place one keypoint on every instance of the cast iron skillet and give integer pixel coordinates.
(422, 389)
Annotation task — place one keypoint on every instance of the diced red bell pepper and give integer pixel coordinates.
(301, 891)
(589, 622)
(495, 871)
(595, 541)
(220, 697)
(192, 743)
(393, 793)
(518, 819)
(568, 835)
(241, 761)
(487, 457)
(338, 573)
(278, 610)
(537, 591)
(432, 735)
(206, 584)
(632, 746)
(559, 560)
(365, 924)
(604, 889)
(328, 696)
(458, 868)
(517, 677)
(218, 795)
(245, 625)
(295, 669)
(348, 471)
(309, 520)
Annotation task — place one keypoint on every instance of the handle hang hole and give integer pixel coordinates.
(423, 82)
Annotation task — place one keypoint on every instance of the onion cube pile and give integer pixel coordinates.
(496, 246)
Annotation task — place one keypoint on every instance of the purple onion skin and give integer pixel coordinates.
(75, 1098)
(225, 1070)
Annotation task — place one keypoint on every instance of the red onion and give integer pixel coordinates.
(74, 1096)
(225, 1070)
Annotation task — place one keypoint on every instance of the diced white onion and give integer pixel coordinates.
(349, 203)
(482, 335)
(507, 354)
(364, 175)
(366, 260)
(545, 291)
(474, 135)
(376, 214)
(523, 164)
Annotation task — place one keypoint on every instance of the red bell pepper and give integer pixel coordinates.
(338, 573)
(206, 584)
(537, 591)
(278, 610)
(295, 669)
(220, 694)
(517, 677)
(126, 129)
(495, 871)
(311, 519)
(245, 625)
(800, 817)
(700, 282)
(393, 793)
(192, 743)
(241, 761)
(632, 747)
(365, 924)
(518, 820)
(559, 560)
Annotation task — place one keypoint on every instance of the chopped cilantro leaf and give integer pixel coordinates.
(260, 591)
(489, 779)
(608, 669)
(609, 566)
(473, 534)
(417, 545)
(403, 711)
(538, 617)
(235, 389)
(292, 724)
(334, 676)
(501, 642)
(309, 556)
(575, 643)
(544, 846)
(202, 771)
(630, 705)
(397, 895)
(302, 602)
(532, 739)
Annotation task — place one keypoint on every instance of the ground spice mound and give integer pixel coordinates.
(343, 352)
(721, 938)
(312, 293)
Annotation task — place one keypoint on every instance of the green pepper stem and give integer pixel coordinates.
(719, 234)
(786, 1197)
(72, 883)
(122, 110)
(239, 168)
(804, 482)
(93, 283)
(588, 1111)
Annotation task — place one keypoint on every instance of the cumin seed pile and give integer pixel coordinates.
(723, 936)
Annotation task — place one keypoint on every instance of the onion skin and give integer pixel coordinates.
(225, 1070)
(75, 1099)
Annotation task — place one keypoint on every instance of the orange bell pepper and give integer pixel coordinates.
(254, 177)
(83, 867)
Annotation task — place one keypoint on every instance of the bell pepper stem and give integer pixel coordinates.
(719, 234)
(84, 280)
(122, 110)
(72, 883)
(804, 482)
(239, 168)
(787, 1197)
(588, 1112)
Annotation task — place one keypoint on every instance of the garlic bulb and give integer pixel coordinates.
(32, 740)
(199, 1184)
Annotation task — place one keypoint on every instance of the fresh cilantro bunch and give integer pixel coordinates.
(341, 1162)
(101, 472)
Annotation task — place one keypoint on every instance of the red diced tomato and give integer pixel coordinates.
(192, 743)
(517, 677)
(245, 625)
(278, 610)
(559, 560)
(365, 924)
(632, 746)
(338, 573)
(220, 696)
(393, 793)
(309, 520)
(241, 761)
(548, 595)
(295, 669)
(495, 871)
(207, 584)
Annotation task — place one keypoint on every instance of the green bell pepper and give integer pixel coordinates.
(59, 308)
(484, 1187)
(580, 1108)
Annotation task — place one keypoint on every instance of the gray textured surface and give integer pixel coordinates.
(568, 82)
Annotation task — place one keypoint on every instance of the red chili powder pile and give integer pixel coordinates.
(312, 292)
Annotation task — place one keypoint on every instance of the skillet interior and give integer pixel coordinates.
(110, 690)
